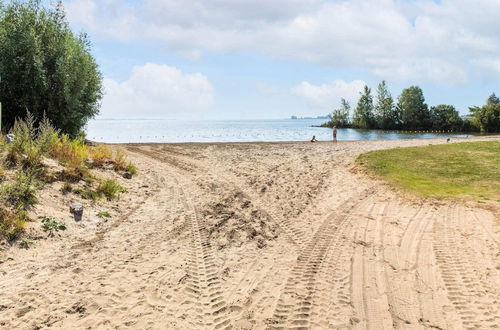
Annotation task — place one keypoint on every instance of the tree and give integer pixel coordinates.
(486, 118)
(385, 112)
(45, 69)
(363, 114)
(340, 117)
(413, 109)
(493, 99)
(445, 117)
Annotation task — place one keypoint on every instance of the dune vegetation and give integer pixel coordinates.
(32, 156)
(465, 171)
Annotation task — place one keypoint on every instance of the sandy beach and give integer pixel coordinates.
(260, 235)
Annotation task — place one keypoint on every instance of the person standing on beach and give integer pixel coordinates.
(334, 134)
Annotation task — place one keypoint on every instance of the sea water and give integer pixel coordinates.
(163, 130)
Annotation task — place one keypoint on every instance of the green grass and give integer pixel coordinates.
(110, 189)
(465, 171)
(103, 214)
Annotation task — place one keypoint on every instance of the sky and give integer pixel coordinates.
(267, 59)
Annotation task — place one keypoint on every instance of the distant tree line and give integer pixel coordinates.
(410, 112)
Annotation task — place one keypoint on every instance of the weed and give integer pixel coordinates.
(110, 189)
(103, 214)
(49, 224)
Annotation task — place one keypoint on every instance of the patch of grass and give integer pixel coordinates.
(67, 187)
(132, 169)
(49, 224)
(103, 214)
(71, 153)
(11, 224)
(110, 189)
(466, 171)
(87, 194)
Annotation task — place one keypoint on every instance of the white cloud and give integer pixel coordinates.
(421, 40)
(156, 91)
(328, 96)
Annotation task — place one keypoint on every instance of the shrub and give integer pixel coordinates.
(101, 155)
(110, 189)
(11, 224)
(21, 192)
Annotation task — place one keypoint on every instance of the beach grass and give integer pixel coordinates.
(464, 171)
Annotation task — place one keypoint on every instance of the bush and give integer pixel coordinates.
(110, 189)
(87, 194)
(21, 192)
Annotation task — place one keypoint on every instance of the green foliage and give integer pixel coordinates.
(413, 109)
(492, 99)
(445, 117)
(460, 170)
(340, 117)
(110, 189)
(103, 214)
(21, 192)
(49, 224)
(363, 114)
(45, 68)
(386, 116)
(486, 118)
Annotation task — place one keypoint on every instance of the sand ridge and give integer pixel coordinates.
(265, 235)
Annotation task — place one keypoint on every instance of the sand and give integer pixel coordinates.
(260, 235)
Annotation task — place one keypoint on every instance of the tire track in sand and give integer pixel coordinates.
(467, 280)
(295, 304)
(204, 285)
(296, 236)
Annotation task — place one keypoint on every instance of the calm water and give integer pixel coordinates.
(122, 131)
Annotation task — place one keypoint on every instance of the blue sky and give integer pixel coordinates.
(256, 59)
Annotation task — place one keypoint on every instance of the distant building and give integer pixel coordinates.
(293, 117)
